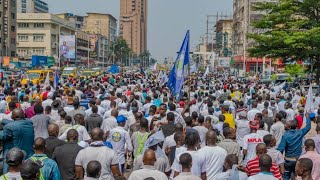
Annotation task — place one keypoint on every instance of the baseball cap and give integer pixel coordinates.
(107, 95)
(121, 119)
(50, 94)
(243, 114)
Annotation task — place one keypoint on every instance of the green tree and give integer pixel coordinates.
(294, 70)
(120, 51)
(290, 31)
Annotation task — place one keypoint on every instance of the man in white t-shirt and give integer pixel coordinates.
(250, 142)
(252, 113)
(83, 133)
(290, 112)
(97, 151)
(242, 127)
(211, 157)
(192, 141)
(146, 107)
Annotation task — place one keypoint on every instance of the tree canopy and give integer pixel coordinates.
(290, 31)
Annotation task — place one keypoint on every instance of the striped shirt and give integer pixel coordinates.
(253, 168)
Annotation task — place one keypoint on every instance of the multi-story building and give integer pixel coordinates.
(133, 24)
(224, 37)
(32, 6)
(83, 47)
(8, 15)
(38, 34)
(103, 24)
(243, 17)
(72, 18)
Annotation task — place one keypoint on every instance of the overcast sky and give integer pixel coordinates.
(168, 20)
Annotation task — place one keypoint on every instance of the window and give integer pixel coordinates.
(38, 38)
(13, 15)
(23, 52)
(23, 38)
(13, 29)
(13, 41)
(38, 25)
(38, 51)
(23, 25)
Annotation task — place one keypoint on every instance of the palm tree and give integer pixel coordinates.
(119, 51)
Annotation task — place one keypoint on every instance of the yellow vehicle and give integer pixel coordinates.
(70, 72)
(97, 71)
(37, 76)
(87, 74)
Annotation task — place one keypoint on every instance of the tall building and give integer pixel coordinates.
(133, 24)
(38, 34)
(243, 17)
(8, 15)
(32, 6)
(103, 24)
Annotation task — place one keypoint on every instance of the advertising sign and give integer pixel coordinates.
(67, 46)
(94, 46)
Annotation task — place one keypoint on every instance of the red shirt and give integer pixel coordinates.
(253, 168)
(300, 121)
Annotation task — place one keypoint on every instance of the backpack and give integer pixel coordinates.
(41, 159)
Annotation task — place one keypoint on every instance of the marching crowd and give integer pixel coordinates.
(129, 126)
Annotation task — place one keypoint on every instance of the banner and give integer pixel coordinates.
(6, 61)
(39, 61)
(67, 46)
(94, 45)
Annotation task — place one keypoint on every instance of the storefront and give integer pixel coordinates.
(252, 64)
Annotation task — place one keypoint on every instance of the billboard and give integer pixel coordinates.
(94, 46)
(39, 61)
(67, 46)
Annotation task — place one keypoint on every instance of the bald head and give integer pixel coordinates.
(53, 130)
(114, 113)
(265, 163)
(211, 138)
(149, 157)
(39, 144)
(17, 114)
(261, 149)
(97, 134)
(72, 135)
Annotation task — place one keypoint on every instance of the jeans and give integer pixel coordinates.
(289, 167)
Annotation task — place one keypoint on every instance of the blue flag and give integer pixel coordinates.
(176, 77)
(114, 69)
(56, 80)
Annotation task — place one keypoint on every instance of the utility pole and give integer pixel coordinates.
(246, 11)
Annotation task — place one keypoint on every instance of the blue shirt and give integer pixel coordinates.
(291, 141)
(50, 168)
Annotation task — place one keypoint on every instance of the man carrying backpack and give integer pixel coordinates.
(49, 168)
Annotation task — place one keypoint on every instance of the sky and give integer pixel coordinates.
(168, 20)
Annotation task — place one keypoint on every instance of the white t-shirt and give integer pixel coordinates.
(290, 114)
(195, 169)
(250, 142)
(243, 129)
(82, 131)
(262, 176)
(146, 108)
(211, 160)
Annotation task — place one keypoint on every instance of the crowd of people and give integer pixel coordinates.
(129, 126)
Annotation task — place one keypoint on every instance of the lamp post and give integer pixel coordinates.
(88, 50)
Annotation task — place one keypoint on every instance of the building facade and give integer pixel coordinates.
(103, 24)
(32, 6)
(8, 16)
(83, 47)
(133, 24)
(38, 34)
(243, 17)
(72, 18)
(224, 37)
